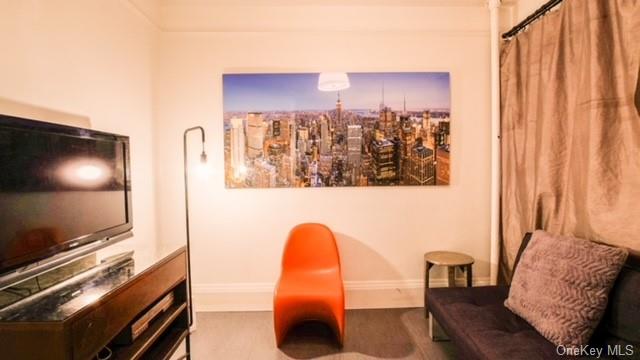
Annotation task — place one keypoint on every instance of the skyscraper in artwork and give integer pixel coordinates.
(303, 140)
(387, 118)
(339, 111)
(325, 136)
(255, 135)
(237, 147)
(420, 168)
(354, 144)
(293, 151)
(384, 161)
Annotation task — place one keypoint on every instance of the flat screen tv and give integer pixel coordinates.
(61, 188)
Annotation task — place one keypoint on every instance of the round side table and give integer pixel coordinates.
(451, 260)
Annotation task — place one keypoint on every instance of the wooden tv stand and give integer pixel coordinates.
(81, 316)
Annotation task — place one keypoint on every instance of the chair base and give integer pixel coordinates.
(284, 321)
(335, 337)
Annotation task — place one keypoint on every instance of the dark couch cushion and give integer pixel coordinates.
(622, 318)
(621, 322)
(482, 328)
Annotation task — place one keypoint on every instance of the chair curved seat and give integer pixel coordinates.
(310, 285)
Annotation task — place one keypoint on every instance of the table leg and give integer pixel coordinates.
(469, 276)
(436, 333)
(427, 267)
(452, 276)
(188, 345)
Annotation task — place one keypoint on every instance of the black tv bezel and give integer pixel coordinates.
(83, 241)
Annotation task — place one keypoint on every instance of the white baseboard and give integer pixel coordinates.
(358, 294)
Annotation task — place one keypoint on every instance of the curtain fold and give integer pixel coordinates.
(570, 101)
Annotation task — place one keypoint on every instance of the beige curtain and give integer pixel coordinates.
(570, 98)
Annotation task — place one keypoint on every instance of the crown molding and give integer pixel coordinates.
(262, 15)
(391, 3)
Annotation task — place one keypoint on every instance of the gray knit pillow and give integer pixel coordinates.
(561, 286)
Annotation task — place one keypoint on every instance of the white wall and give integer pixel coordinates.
(97, 58)
(94, 58)
(524, 8)
(238, 235)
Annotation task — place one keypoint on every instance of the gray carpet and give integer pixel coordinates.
(370, 334)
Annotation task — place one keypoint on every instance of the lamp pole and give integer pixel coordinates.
(203, 159)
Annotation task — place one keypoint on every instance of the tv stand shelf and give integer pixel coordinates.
(167, 345)
(103, 304)
(148, 339)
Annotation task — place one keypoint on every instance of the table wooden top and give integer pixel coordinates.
(448, 258)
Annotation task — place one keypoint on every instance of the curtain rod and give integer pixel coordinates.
(531, 18)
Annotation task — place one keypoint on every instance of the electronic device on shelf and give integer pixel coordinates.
(64, 191)
(137, 327)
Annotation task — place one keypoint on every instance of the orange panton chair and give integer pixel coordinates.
(310, 285)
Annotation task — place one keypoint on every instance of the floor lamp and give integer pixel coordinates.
(203, 160)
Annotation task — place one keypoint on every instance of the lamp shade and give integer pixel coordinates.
(333, 81)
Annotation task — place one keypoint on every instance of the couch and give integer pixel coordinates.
(481, 327)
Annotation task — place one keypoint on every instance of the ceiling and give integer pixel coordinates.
(316, 15)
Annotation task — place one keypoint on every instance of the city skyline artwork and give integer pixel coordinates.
(380, 129)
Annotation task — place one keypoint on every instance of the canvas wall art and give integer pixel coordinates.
(337, 129)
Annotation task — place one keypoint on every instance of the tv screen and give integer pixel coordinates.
(60, 187)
